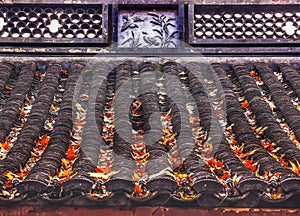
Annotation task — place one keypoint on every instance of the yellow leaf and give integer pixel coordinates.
(166, 131)
(79, 107)
(257, 171)
(53, 107)
(188, 197)
(276, 150)
(71, 176)
(10, 175)
(239, 149)
(102, 175)
(5, 193)
(65, 163)
(260, 130)
(276, 196)
(33, 154)
(135, 176)
(236, 178)
(295, 168)
(253, 151)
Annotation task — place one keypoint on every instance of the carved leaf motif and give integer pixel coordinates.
(130, 22)
(170, 24)
(126, 41)
(125, 26)
(137, 19)
(160, 38)
(159, 32)
(170, 42)
(170, 19)
(155, 22)
(153, 14)
(172, 35)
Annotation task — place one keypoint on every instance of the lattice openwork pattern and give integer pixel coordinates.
(244, 23)
(69, 22)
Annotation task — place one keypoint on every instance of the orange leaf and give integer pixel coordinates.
(264, 145)
(104, 169)
(249, 165)
(138, 189)
(219, 164)
(5, 145)
(28, 100)
(22, 175)
(63, 71)
(245, 104)
(44, 140)
(71, 154)
(211, 161)
(78, 123)
(22, 112)
(225, 176)
(252, 73)
(168, 117)
(257, 79)
(109, 114)
(8, 88)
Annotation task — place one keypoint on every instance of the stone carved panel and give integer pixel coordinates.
(147, 28)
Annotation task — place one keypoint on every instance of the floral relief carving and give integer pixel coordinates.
(147, 29)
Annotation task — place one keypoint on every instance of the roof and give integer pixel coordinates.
(128, 134)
